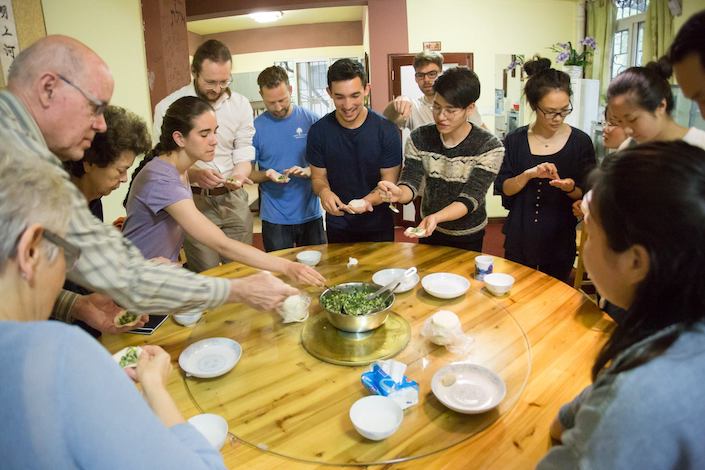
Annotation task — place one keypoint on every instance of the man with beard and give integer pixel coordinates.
(290, 211)
(349, 151)
(218, 185)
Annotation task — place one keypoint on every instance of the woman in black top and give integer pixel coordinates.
(543, 172)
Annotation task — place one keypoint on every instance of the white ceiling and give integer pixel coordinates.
(291, 17)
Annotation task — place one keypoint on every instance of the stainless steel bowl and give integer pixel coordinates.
(357, 323)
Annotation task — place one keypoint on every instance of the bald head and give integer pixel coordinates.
(58, 54)
(64, 85)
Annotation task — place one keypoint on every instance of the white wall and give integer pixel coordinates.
(112, 28)
(258, 61)
(487, 28)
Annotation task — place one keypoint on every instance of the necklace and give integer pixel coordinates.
(545, 142)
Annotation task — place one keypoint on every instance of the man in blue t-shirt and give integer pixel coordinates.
(290, 211)
(349, 150)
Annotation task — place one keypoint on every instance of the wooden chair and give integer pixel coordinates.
(580, 276)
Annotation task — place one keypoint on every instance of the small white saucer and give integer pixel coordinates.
(385, 276)
(468, 388)
(445, 285)
(210, 357)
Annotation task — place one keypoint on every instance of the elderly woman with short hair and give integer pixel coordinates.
(66, 403)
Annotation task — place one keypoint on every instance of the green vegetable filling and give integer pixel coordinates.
(352, 301)
(130, 357)
(127, 317)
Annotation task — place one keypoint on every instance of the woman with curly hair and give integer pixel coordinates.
(105, 164)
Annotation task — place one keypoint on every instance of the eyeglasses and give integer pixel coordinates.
(607, 124)
(71, 252)
(554, 115)
(449, 111)
(421, 75)
(98, 105)
(215, 83)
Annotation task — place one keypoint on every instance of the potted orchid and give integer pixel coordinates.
(573, 60)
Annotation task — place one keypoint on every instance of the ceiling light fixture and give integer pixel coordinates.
(266, 16)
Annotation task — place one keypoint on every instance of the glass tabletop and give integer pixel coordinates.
(284, 400)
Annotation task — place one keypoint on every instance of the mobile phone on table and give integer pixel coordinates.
(154, 322)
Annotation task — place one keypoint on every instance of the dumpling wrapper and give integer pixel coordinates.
(126, 318)
(295, 308)
(357, 203)
(415, 232)
(128, 357)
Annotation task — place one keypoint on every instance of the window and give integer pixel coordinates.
(309, 81)
(628, 42)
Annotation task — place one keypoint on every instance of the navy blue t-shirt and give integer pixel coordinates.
(353, 159)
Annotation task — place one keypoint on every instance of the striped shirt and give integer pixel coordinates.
(110, 263)
(445, 175)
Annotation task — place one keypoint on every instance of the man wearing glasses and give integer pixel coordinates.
(411, 114)
(217, 185)
(57, 90)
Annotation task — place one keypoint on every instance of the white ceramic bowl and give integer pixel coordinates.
(210, 357)
(213, 427)
(499, 283)
(376, 417)
(385, 276)
(468, 388)
(309, 257)
(445, 285)
(188, 318)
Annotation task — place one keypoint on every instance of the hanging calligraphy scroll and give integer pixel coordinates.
(9, 46)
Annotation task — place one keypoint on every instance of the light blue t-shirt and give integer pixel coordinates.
(66, 404)
(280, 144)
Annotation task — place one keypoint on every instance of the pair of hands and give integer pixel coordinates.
(283, 177)
(334, 206)
(391, 193)
(153, 367)
(549, 171)
(208, 178)
(99, 311)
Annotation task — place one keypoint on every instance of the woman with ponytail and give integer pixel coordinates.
(640, 101)
(645, 253)
(160, 207)
(543, 173)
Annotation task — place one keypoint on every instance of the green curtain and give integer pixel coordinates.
(658, 30)
(601, 16)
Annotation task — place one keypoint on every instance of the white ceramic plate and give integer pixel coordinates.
(445, 285)
(475, 389)
(210, 357)
(385, 276)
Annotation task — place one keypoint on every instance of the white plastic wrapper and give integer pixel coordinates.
(294, 308)
(444, 329)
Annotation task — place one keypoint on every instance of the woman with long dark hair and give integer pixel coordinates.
(543, 173)
(160, 207)
(645, 252)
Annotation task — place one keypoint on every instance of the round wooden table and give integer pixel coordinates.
(288, 409)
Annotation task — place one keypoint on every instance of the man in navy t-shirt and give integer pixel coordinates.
(349, 151)
(290, 211)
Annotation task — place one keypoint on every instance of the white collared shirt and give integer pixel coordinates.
(235, 128)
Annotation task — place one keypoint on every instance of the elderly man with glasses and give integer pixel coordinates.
(53, 106)
(218, 185)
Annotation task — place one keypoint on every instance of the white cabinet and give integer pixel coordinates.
(586, 103)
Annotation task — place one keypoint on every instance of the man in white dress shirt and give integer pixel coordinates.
(218, 185)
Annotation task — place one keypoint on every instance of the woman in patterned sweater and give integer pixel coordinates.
(451, 164)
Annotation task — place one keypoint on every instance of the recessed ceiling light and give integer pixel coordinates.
(266, 16)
